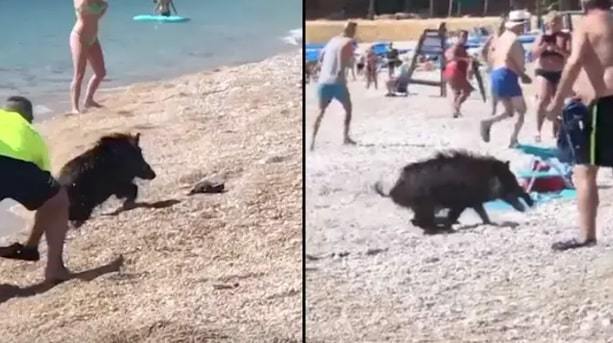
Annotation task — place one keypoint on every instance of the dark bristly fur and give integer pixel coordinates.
(108, 168)
(454, 180)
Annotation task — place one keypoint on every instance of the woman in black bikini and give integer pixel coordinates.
(551, 50)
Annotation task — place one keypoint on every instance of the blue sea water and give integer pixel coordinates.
(35, 59)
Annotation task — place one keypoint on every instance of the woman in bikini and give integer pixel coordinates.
(551, 50)
(85, 47)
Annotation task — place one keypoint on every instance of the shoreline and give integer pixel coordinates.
(52, 105)
(18, 218)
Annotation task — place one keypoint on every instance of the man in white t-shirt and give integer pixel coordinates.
(335, 57)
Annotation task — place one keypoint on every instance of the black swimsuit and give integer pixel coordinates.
(552, 76)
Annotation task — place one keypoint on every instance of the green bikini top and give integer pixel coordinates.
(95, 8)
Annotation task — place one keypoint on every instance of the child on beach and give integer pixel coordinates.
(361, 61)
(371, 67)
(163, 7)
(457, 71)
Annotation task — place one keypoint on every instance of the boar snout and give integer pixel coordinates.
(147, 173)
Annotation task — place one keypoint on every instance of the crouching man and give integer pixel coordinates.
(25, 177)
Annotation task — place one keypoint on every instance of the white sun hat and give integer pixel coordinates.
(517, 18)
(519, 15)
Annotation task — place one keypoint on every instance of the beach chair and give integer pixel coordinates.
(431, 43)
(551, 157)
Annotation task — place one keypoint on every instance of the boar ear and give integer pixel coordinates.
(507, 163)
(137, 138)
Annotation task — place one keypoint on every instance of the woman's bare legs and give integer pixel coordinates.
(96, 60)
(545, 92)
(79, 62)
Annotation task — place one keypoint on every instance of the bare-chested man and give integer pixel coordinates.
(335, 58)
(589, 72)
(487, 56)
(507, 67)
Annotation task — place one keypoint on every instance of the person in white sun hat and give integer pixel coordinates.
(508, 66)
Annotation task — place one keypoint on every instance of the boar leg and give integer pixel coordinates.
(454, 215)
(482, 214)
(79, 212)
(129, 192)
(424, 218)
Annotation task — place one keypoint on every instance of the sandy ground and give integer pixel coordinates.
(224, 267)
(372, 276)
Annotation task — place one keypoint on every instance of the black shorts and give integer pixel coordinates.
(25, 183)
(589, 131)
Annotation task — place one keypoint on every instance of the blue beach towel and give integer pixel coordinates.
(539, 198)
(538, 151)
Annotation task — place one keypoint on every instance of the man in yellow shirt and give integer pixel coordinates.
(25, 177)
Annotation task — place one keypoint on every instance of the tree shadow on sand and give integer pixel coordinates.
(8, 291)
(153, 205)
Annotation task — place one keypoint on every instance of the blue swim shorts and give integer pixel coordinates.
(505, 83)
(328, 91)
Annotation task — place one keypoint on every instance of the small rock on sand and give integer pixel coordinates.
(207, 186)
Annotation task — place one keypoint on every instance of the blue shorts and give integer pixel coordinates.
(328, 91)
(504, 83)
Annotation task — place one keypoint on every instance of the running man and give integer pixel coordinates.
(457, 71)
(486, 55)
(508, 66)
(589, 73)
(335, 57)
(25, 178)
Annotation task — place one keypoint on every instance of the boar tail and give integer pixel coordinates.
(379, 189)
